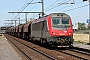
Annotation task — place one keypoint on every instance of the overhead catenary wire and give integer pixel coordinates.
(24, 5)
(50, 8)
(23, 9)
(68, 6)
(72, 8)
(76, 8)
(51, 5)
(71, 5)
(58, 5)
(46, 8)
(33, 7)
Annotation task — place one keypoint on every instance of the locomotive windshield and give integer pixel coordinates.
(56, 21)
(65, 20)
(60, 22)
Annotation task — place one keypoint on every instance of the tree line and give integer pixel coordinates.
(83, 26)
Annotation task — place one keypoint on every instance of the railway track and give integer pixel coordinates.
(29, 52)
(81, 50)
(55, 53)
(79, 53)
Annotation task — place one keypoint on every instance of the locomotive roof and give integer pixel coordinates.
(59, 15)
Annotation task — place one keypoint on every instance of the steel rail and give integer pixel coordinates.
(19, 49)
(50, 57)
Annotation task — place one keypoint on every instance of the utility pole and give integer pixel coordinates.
(15, 22)
(19, 20)
(26, 16)
(42, 7)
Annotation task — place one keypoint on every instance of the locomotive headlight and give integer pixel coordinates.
(69, 33)
(56, 34)
(53, 33)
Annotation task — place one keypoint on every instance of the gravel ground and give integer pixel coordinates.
(81, 46)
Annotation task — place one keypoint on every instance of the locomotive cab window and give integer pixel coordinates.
(65, 20)
(55, 21)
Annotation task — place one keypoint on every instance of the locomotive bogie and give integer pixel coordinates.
(61, 41)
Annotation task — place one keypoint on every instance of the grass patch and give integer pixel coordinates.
(80, 42)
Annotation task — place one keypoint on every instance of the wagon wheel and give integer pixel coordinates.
(41, 40)
(23, 35)
(30, 38)
(71, 46)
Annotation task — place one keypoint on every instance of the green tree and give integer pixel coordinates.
(81, 26)
(88, 27)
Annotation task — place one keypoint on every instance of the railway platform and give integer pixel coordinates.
(7, 52)
(81, 46)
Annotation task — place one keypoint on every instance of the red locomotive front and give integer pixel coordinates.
(60, 28)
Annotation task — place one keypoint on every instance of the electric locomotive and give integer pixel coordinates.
(54, 29)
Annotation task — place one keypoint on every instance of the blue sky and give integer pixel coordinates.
(77, 15)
